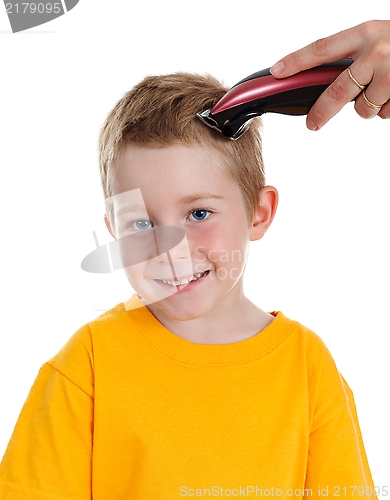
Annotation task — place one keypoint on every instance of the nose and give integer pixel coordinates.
(176, 259)
(147, 245)
(178, 253)
(175, 263)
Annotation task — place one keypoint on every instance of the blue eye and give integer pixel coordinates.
(140, 227)
(143, 224)
(200, 213)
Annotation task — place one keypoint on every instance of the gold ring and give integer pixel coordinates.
(361, 87)
(369, 103)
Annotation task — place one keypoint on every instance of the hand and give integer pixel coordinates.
(369, 46)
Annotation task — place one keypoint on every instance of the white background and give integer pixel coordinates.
(324, 260)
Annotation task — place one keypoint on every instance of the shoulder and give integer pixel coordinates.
(76, 360)
(328, 392)
(316, 353)
(305, 340)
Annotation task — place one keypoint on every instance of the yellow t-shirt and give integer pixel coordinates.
(127, 410)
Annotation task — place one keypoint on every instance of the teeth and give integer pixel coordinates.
(184, 281)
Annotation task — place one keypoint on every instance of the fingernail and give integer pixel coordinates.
(277, 69)
(311, 125)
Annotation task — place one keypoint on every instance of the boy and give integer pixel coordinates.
(188, 388)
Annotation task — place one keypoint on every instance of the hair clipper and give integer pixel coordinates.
(261, 93)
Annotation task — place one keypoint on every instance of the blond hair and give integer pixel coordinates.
(161, 111)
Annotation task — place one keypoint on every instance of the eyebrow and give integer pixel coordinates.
(185, 200)
(201, 196)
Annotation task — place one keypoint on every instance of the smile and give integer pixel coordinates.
(185, 281)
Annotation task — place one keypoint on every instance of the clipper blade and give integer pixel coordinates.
(232, 129)
(205, 117)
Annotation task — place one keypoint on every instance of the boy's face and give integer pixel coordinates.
(217, 231)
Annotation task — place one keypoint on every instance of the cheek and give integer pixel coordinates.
(135, 273)
(225, 247)
(208, 239)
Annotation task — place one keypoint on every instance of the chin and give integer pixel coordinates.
(185, 312)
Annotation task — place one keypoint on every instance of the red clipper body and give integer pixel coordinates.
(261, 93)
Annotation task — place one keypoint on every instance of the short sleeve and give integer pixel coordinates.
(49, 455)
(337, 463)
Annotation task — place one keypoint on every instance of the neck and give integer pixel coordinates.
(232, 319)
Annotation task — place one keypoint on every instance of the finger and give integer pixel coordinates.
(385, 111)
(324, 50)
(377, 93)
(337, 95)
(365, 107)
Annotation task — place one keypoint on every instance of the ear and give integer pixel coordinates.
(108, 225)
(265, 212)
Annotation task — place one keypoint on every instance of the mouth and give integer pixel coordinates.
(184, 281)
